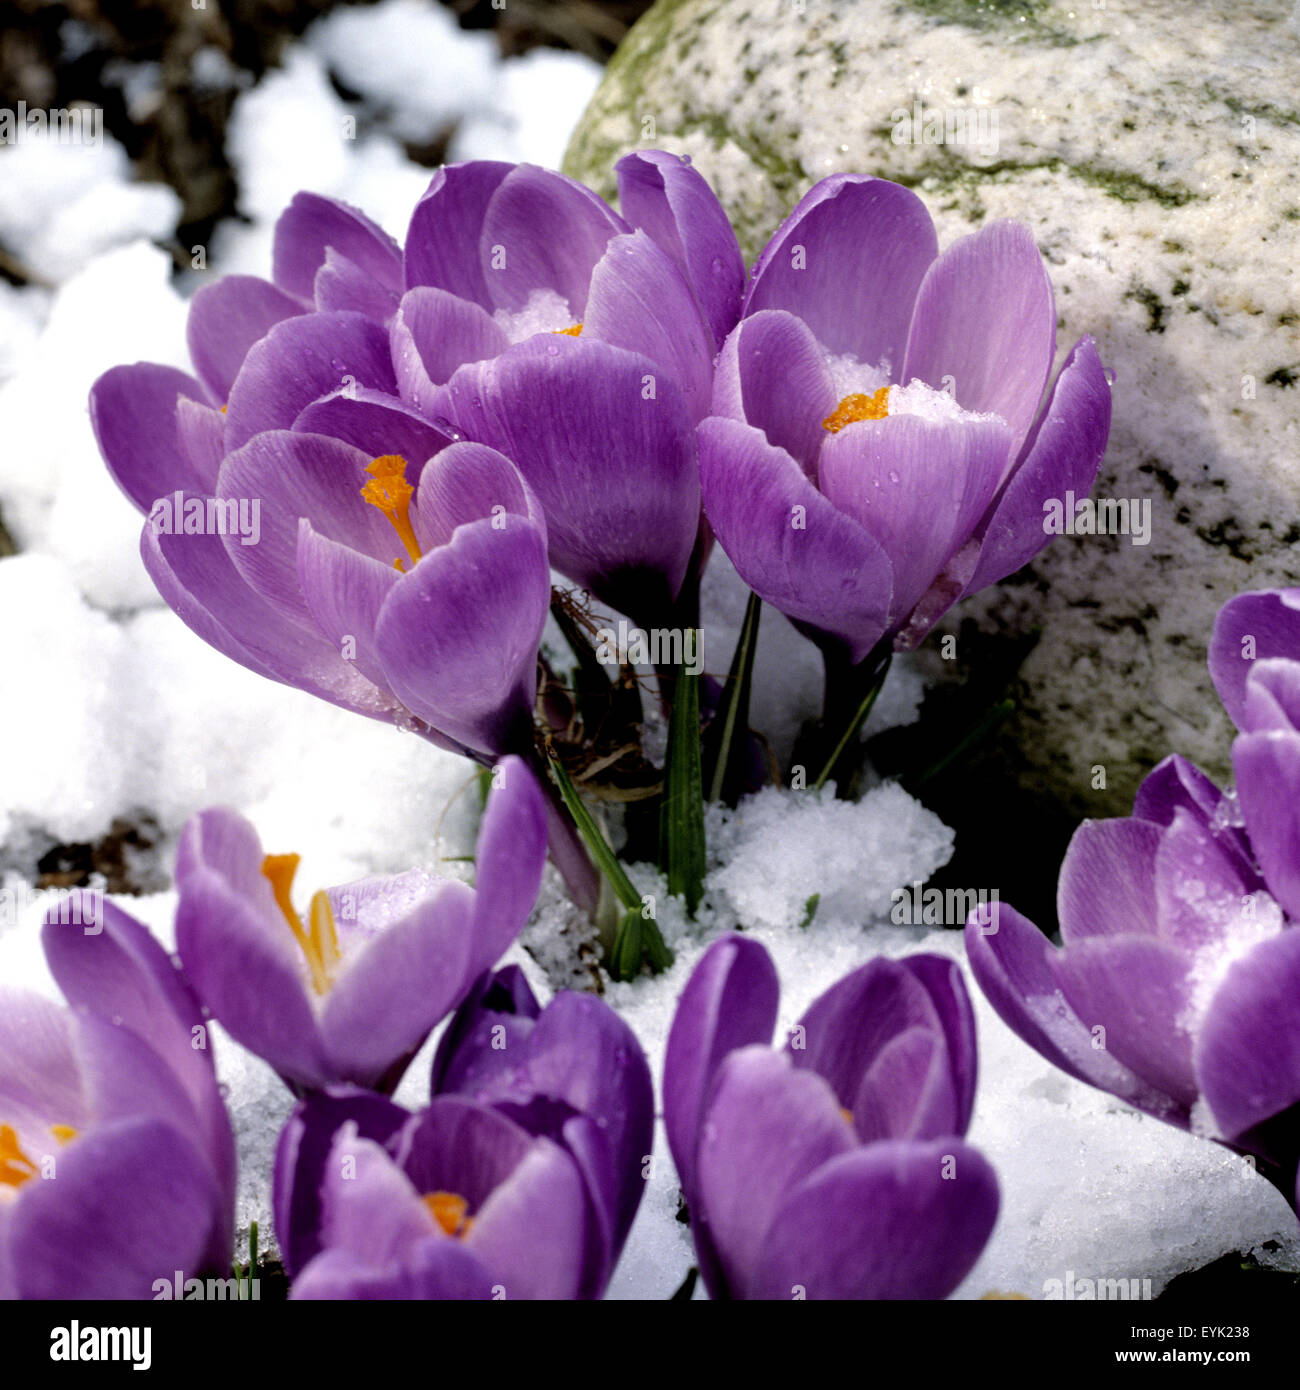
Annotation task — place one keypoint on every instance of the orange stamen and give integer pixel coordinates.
(858, 407)
(15, 1166)
(451, 1212)
(320, 945)
(391, 493)
(573, 331)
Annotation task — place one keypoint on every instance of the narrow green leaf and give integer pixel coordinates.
(681, 813)
(732, 719)
(983, 726)
(596, 843)
(810, 909)
(625, 959)
(657, 951)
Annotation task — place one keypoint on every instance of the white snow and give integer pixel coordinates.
(110, 709)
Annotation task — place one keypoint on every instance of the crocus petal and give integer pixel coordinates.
(525, 1196)
(302, 1156)
(1009, 958)
(1268, 784)
(943, 980)
(543, 231)
(1248, 627)
(296, 476)
(1199, 887)
(772, 374)
(435, 332)
(396, 987)
(371, 1209)
(1107, 882)
(639, 301)
(1172, 784)
(342, 284)
(918, 486)
(436, 1268)
(1061, 456)
(299, 361)
(475, 686)
(376, 423)
(889, 1221)
(662, 194)
(1273, 695)
(510, 858)
(466, 1057)
(442, 242)
(730, 1001)
(905, 1092)
(777, 1126)
(344, 591)
(613, 468)
(40, 1075)
(849, 261)
(531, 1231)
(1247, 1050)
(985, 318)
(788, 542)
(1136, 990)
(250, 978)
(470, 482)
(226, 319)
(201, 433)
(120, 972)
(202, 587)
(311, 226)
(133, 412)
(132, 1203)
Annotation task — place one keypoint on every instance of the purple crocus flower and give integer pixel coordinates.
(835, 1167)
(456, 1202)
(1177, 984)
(117, 1100)
(580, 344)
(572, 1071)
(879, 445)
(351, 991)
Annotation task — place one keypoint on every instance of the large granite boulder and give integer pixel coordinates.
(1154, 148)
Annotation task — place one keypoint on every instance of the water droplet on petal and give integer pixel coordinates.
(893, 475)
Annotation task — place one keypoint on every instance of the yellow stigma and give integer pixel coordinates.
(391, 493)
(451, 1212)
(15, 1167)
(319, 944)
(854, 408)
(571, 332)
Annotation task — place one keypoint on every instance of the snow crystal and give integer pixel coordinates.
(547, 311)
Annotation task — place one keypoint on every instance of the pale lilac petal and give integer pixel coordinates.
(299, 361)
(788, 542)
(849, 261)
(393, 989)
(1249, 627)
(509, 860)
(639, 301)
(1268, 788)
(311, 226)
(776, 1126)
(919, 487)
(133, 413)
(664, 196)
(544, 231)
(342, 284)
(985, 318)
(1061, 456)
(226, 319)
(442, 243)
(470, 482)
(772, 374)
(376, 423)
(889, 1221)
(1107, 883)
(477, 687)
(433, 333)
